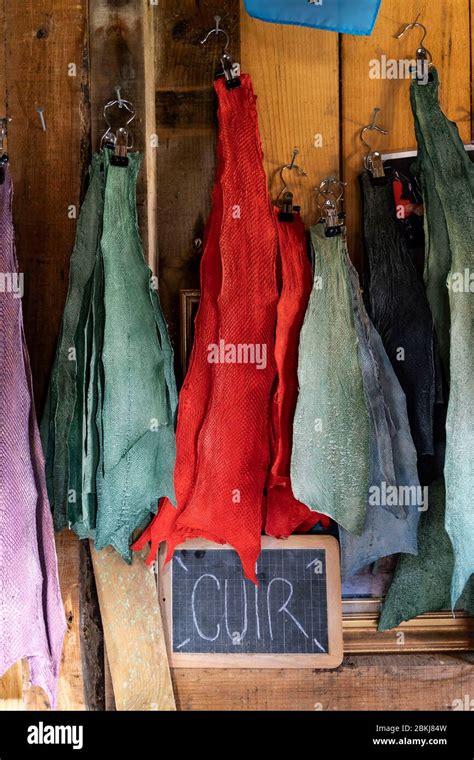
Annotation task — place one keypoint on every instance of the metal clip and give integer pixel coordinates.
(230, 69)
(330, 204)
(120, 157)
(373, 159)
(424, 59)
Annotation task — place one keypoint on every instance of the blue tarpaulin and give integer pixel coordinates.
(347, 16)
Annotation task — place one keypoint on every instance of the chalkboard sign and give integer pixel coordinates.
(216, 618)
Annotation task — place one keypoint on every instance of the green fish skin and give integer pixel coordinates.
(109, 425)
(443, 160)
(330, 458)
(422, 583)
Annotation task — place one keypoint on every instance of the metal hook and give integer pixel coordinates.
(422, 53)
(285, 197)
(289, 167)
(373, 126)
(121, 103)
(325, 190)
(217, 30)
(230, 69)
(128, 106)
(121, 139)
(373, 158)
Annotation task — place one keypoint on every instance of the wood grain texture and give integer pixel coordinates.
(186, 126)
(121, 54)
(110, 705)
(119, 36)
(3, 60)
(447, 40)
(41, 41)
(295, 73)
(71, 686)
(91, 634)
(133, 631)
(11, 688)
(150, 141)
(384, 682)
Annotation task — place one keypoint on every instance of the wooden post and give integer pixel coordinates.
(122, 54)
(186, 126)
(133, 630)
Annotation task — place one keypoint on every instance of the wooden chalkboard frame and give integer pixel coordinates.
(334, 605)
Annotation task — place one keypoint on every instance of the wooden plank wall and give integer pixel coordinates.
(295, 73)
(186, 121)
(447, 40)
(308, 83)
(376, 682)
(41, 42)
(121, 38)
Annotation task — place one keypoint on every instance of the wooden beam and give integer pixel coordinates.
(186, 127)
(375, 682)
(133, 630)
(92, 635)
(122, 54)
(110, 705)
(71, 687)
(45, 44)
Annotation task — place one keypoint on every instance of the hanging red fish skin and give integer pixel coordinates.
(228, 429)
(285, 514)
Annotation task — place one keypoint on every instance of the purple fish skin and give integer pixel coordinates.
(32, 619)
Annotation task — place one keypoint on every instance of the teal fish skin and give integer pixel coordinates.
(443, 159)
(330, 457)
(393, 461)
(423, 583)
(109, 424)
